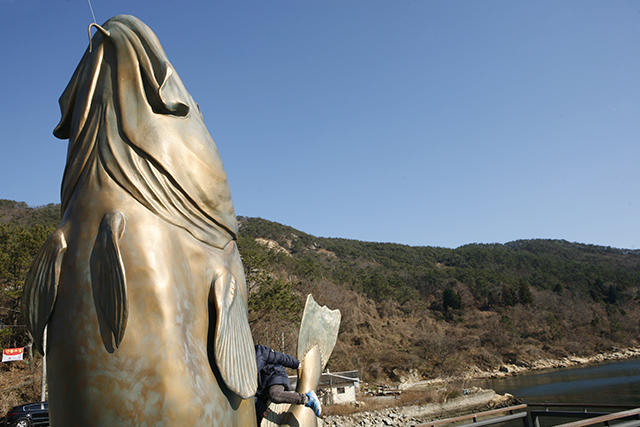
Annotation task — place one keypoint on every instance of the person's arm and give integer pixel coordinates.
(275, 357)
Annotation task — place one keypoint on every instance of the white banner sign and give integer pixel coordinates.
(11, 354)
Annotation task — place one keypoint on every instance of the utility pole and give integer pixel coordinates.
(30, 347)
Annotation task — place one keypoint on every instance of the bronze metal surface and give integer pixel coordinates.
(142, 287)
(319, 327)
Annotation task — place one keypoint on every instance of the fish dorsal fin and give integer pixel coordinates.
(41, 286)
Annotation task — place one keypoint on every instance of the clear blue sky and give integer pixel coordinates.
(434, 123)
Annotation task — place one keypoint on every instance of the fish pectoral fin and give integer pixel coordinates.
(234, 351)
(41, 286)
(108, 269)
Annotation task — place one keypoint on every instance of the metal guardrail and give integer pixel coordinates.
(589, 418)
(485, 422)
(580, 405)
(632, 416)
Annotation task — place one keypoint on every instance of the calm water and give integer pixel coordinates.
(614, 383)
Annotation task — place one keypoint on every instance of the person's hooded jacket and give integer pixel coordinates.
(271, 371)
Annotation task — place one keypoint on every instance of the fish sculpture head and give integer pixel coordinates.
(126, 110)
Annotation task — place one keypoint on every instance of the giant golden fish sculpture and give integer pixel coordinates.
(141, 288)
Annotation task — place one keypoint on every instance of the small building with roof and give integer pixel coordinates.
(336, 387)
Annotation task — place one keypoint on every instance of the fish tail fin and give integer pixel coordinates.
(41, 286)
(108, 269)
(319, 327)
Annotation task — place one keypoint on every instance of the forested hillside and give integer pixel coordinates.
(429, 310)
(437, 311)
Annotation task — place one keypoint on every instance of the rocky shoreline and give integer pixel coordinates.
(478, 400)
(507, 370)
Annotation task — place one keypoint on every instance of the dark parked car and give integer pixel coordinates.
(31, 414)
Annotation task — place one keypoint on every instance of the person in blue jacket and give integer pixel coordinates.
(273, 382)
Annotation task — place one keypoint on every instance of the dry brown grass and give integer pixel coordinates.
(19, 384)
